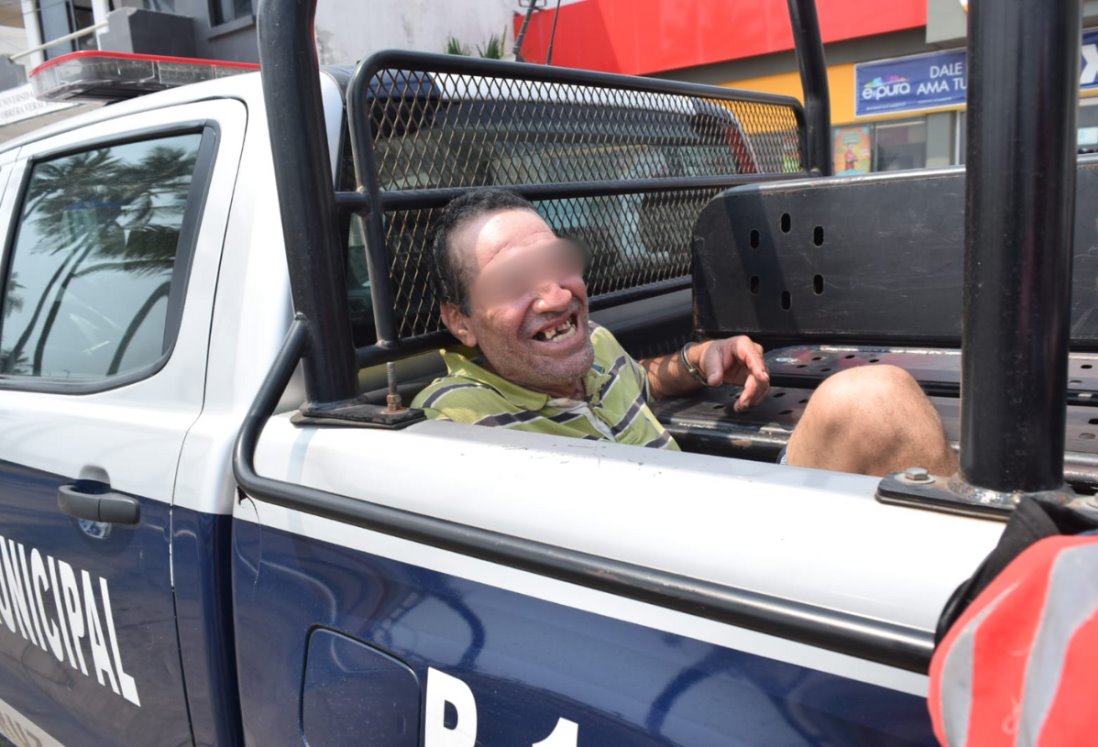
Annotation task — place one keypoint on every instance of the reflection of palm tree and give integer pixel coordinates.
(97, 206)
(13, 302)
(92, 192)
(774, 684)
(15, 355)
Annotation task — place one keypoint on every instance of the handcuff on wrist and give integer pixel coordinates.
(690, 367)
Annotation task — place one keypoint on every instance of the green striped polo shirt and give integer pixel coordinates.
(615, 409)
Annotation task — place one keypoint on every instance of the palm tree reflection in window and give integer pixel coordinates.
(94, 256)
(13, 302)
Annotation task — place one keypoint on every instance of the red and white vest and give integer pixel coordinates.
(1020, 666)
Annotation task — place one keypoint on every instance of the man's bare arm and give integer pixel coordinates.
(733, 360)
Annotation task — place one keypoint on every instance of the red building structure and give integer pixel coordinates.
(641, 37)
(896, 68)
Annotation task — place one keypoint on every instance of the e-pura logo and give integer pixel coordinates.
(883, 88)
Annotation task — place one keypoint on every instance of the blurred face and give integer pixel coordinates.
(527, 299)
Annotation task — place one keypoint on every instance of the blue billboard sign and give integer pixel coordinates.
(1088, 78)
(935, 80)
(925, 81)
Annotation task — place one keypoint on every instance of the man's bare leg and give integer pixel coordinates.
(872, 420)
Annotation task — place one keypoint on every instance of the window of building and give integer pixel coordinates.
(879, 146)
(224, 11)
(89, 284)
(1087, 123)
(1088, 126)
(900, 145)
(59, 18)
(962, 137)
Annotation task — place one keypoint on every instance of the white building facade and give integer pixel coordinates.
(32, 31)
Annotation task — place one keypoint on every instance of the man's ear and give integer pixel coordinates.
(458, 324)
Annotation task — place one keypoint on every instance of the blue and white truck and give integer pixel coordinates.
(219, 524)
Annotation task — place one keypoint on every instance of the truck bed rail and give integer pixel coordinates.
(872, 640)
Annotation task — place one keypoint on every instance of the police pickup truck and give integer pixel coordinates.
(221, 525)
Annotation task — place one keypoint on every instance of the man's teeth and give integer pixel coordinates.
(558, 333)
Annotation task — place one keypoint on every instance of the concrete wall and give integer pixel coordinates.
(12, 40)
(186, 32)
(346, 32)
(148, 32)
(946, 21)
(235, 40)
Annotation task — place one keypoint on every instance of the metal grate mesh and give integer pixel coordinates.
(447, 130)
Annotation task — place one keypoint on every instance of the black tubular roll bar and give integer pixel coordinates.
(416, 199)
(1023, 78)
(303, 173)
(873, 640)
(817, 97)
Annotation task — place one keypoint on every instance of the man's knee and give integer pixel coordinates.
(872, 380)
(871, 419)
(866, 390)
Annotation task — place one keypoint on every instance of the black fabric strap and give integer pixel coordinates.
(1032, 520)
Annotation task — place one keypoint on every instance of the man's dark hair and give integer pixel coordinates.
(449, 277)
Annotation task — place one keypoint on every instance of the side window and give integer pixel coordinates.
(224, 11)
(90, 279)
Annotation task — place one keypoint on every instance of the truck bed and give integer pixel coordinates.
(705, 422)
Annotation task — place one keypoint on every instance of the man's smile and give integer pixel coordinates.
(557, 332)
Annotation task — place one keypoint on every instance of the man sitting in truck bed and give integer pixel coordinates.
(510, 287)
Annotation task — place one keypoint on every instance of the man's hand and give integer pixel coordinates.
(734, 360)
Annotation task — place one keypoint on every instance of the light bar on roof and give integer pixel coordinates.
(112, 76)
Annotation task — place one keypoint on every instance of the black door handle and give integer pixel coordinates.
(87, 499)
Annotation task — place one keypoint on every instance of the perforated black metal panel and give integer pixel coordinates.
(705, 421)
(623, 165)
(875, 259)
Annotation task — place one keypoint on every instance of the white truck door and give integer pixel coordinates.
(113, 239)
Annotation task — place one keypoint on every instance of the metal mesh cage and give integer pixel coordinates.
(456, 130)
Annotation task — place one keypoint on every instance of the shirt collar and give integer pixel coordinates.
(459, 363)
